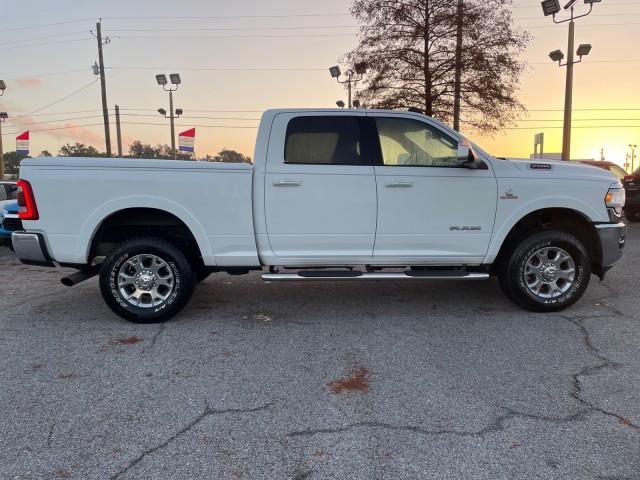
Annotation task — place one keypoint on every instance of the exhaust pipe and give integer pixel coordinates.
(81, 276)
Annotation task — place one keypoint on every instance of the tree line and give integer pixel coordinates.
(136, 150)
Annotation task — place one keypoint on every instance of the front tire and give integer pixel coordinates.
(146, 280)
(547, 271)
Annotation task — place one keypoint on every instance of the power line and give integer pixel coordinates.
(46, 25)
(243, 29)
(47, 74)
(54, 103)
(42, 38)
(302, 15)
(46, 43)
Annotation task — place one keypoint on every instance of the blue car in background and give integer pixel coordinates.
(9, 223)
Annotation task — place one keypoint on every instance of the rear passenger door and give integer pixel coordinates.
(320, 188)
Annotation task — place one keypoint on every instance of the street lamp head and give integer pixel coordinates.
(550, 7)
(4, 116)
(162, 111)
(3, 87)
(161, 79)
(583, 49)
(591, 2)
(340, 103)
(178, 111)
(556, 55)
(570, 4)
(335, 71)
(175, 78)
(361, 68)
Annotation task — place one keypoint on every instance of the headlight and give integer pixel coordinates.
(615, 198)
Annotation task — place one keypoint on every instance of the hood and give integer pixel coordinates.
(562, 169)
(10, 207)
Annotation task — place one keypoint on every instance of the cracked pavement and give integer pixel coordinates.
(440, 380)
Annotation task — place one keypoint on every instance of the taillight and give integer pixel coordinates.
(27, 209)
(628, 177)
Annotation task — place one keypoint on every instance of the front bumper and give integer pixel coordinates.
(30, 249)
(612, 240)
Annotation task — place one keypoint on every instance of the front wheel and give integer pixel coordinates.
(545, 272)
(146, 280)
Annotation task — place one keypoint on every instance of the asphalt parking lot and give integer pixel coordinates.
(258, 380)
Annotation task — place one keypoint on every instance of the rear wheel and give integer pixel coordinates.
(545, 272)
(146, 280)
(631, 214)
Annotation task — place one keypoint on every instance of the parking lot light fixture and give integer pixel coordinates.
(552, 7)
(353, 76)
(3, 87)
(161, 78)
(556, 56)
(583, 50)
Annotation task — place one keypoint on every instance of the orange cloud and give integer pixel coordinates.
(29, 82)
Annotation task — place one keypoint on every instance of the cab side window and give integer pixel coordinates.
(323, 140)
(407, 142)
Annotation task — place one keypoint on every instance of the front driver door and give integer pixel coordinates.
(430, 207)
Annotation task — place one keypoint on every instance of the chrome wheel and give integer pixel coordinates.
(549, 272)
(145, 281)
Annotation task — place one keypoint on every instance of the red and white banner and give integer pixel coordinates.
(22, 143)
(187, 140)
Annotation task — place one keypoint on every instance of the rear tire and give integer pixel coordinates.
(146, 280)
(546, 271)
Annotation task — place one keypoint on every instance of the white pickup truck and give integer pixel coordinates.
(332, 195)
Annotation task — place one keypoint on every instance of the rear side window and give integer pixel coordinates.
(323, 140)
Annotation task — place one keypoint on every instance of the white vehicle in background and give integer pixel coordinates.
(332, 195)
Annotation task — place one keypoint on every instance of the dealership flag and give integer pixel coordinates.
(22, 143)
(187, 140)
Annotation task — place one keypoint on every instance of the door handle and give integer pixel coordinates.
(394, 184)
(287, 183)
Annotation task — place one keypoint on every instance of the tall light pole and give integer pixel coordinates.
(633, 156)
(551, 7)
(352, 77)
(175, 80)
(3, 117)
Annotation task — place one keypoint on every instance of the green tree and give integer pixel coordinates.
(12, 163)
(45, 153)
(140, 150)
(79, 150)
(409, 48)
(229, 156)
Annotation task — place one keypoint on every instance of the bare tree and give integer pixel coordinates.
(409, 47)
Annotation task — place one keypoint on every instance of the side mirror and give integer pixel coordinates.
(466, 155)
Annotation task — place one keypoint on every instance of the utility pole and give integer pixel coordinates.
(105, 111)
(118, 135)
(602, 154)
(458, 81)
(1, 151)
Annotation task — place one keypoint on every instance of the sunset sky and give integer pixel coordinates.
(239, 58)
